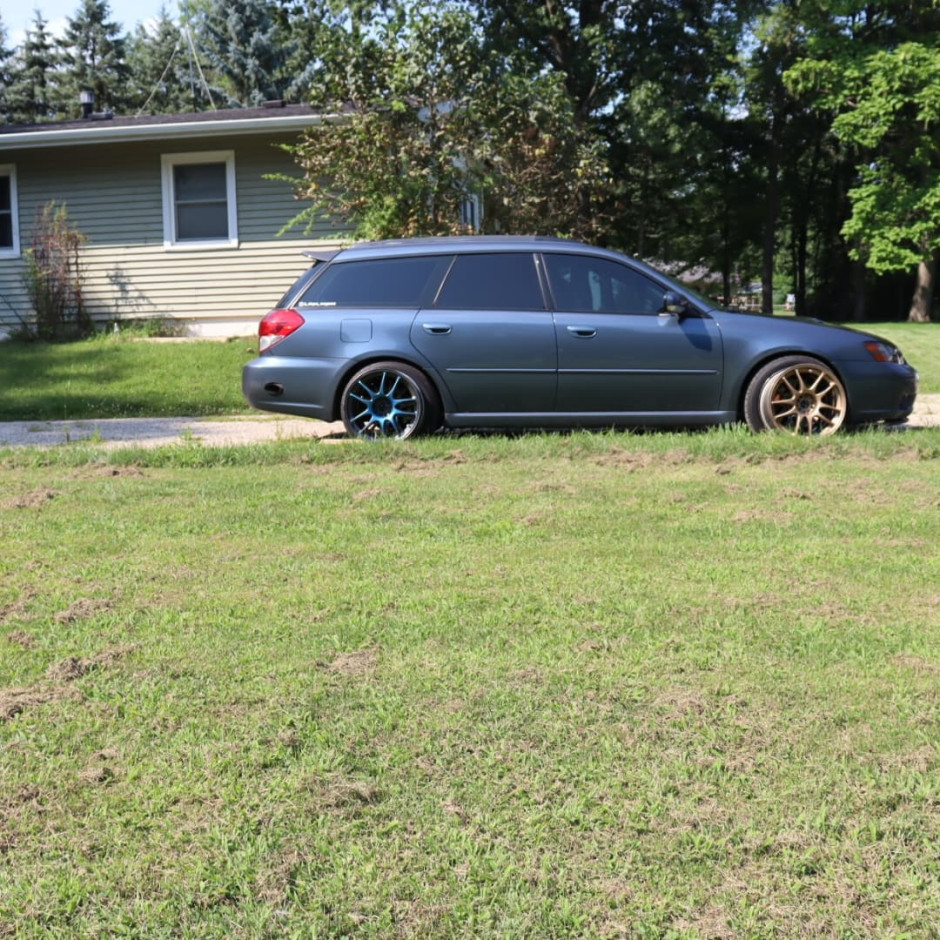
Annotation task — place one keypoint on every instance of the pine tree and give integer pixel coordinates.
(4, 72)
(93, 58)
(161, 70)
(33, 77)
(247, 49)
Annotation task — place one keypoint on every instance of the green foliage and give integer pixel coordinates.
(424, 118)
(32, 77)
(878, 75)
(246, 50)
(892, 101)
(93, 59)
(53, 276)
(161, 78)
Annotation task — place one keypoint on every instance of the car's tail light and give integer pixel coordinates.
(277, 325)
(884, 352)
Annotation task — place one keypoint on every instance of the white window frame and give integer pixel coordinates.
(171, 241)
(9, 170)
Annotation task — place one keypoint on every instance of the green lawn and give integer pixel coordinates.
(596, 685)
(114, 377)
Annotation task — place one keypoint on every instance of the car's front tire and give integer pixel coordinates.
(389, 400)
(796, 394)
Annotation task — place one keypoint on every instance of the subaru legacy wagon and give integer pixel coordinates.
(400, 338)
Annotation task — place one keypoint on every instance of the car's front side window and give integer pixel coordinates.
(507, 281)
(583, 284)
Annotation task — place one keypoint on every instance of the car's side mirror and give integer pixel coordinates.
(674, 305)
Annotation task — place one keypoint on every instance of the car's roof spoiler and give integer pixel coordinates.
(321, 254)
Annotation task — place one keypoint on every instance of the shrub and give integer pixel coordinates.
(54, 278)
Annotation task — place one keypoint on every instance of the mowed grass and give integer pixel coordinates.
(116, 377)
(596, 685)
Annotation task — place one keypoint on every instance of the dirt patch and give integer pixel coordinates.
(351, 793)
(274, 883)
(96, 776)
(713, 922)
(361, 663)
(624, 460)
(367, 496)
(108, 471)
(545, 486)
(15, 701)
(22, 638)
(69, 669)
(17, 608)
(33, 500)
(82, 609)
(915, 663)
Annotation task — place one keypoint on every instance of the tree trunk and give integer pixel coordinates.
(858, 291)
(923, 293)
(771, 208)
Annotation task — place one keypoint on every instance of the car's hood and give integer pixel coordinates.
(778, 321)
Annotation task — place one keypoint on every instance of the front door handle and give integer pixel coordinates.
(584, 331)
(436, 329)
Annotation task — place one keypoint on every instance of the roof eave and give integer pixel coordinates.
(99, 133)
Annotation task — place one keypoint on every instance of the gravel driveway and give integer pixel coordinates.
(154, 432)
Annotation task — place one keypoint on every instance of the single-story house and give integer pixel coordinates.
(180, 218)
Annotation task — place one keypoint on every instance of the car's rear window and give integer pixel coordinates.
(300, 284)
(386, 282)
(492, 282)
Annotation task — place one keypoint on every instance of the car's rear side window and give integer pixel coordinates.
(492, 282)
(385, 282)
(584, 284)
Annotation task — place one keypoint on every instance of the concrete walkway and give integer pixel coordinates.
(155, 432)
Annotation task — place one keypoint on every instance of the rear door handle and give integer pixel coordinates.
(585, 331)
(436, 329)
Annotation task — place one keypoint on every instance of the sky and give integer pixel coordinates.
(18, 16)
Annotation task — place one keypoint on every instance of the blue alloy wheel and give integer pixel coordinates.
(389, 400)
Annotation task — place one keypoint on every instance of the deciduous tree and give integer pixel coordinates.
(876, 67)
(426, 124)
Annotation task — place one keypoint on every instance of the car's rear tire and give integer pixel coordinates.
(389, 400)
(798, 395)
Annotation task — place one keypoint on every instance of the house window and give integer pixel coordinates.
(199, 200)
(9, 221)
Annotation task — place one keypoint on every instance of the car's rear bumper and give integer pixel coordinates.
(291, 386)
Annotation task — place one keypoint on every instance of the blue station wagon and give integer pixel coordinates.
(403, 337)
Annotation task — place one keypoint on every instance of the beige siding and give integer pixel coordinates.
(114, 196)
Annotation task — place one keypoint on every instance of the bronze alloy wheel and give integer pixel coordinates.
(798, 395)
